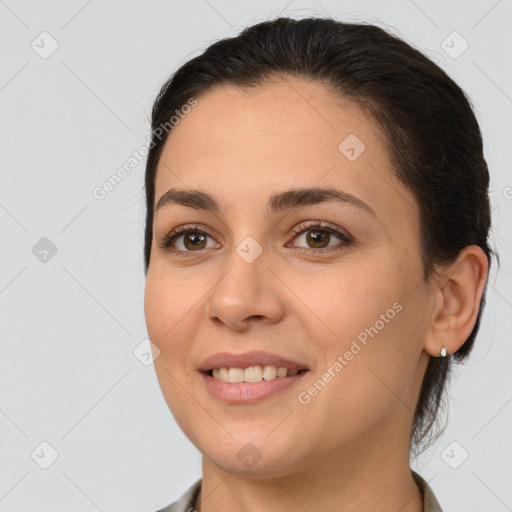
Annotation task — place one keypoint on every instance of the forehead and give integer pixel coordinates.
(244, 145)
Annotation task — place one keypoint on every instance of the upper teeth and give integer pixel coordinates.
(254, 373)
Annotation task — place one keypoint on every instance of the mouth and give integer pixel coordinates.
(250, 377)
(254, 366)
(238, 391)
(254, 373)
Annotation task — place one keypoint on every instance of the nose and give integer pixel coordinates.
(248, 291)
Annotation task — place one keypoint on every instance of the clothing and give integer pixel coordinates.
(430, 503)
(188, 499)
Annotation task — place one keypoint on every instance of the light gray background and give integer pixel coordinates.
(69, 325)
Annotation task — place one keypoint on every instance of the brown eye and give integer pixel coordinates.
(186, 239)
(194, 241)
(318, 236)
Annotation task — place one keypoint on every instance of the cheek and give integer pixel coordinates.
(170, 315)
(352, 304)
(371, 344)
(167, 302)
(169, 312)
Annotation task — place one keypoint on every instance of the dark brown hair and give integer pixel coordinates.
(426, 119)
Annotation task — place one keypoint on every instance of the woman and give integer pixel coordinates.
(316, 257)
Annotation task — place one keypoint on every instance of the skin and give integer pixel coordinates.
(348, 448)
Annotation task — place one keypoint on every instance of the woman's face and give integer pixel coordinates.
(345, 301)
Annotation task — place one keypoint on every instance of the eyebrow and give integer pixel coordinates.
(283, 201)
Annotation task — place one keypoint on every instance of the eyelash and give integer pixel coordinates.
(299, 230)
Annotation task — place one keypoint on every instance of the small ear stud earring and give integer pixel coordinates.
(443, 351)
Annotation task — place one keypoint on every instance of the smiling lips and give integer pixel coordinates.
(250, 376)
(254, 373)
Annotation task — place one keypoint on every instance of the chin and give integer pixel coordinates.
(251, 456)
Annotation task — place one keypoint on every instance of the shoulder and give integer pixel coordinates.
(186, 501)
(430, 503)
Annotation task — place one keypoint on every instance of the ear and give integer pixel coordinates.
(458, 289)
